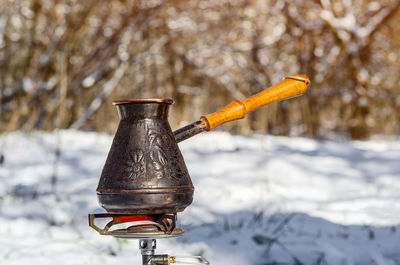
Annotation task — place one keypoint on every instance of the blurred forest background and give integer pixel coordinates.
(62, 62)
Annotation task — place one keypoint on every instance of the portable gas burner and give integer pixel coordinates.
(145, 182)
(137, 226)
(146, 228)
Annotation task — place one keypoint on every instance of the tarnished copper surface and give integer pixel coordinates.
(147, 190)
(144, 172)
(143, 100)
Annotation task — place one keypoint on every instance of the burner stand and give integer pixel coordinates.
(147, 247)
(146, 228)
(141, 226)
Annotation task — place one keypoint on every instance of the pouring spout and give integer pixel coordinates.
(291, 86)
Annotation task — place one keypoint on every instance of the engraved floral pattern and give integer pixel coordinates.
(135, 164)
(158, 155)
(178, 171)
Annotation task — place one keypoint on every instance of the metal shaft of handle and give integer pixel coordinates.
(190, 130)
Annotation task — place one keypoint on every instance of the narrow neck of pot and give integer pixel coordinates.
(131, 110)
(139, 109)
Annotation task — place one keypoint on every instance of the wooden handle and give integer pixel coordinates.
(292, 86)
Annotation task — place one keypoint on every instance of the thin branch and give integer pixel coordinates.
(108, 88)
(293, 15)
(377, 20)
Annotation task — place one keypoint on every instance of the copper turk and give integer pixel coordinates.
(145, 172)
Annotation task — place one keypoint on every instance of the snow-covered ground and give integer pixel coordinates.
(258, 200)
